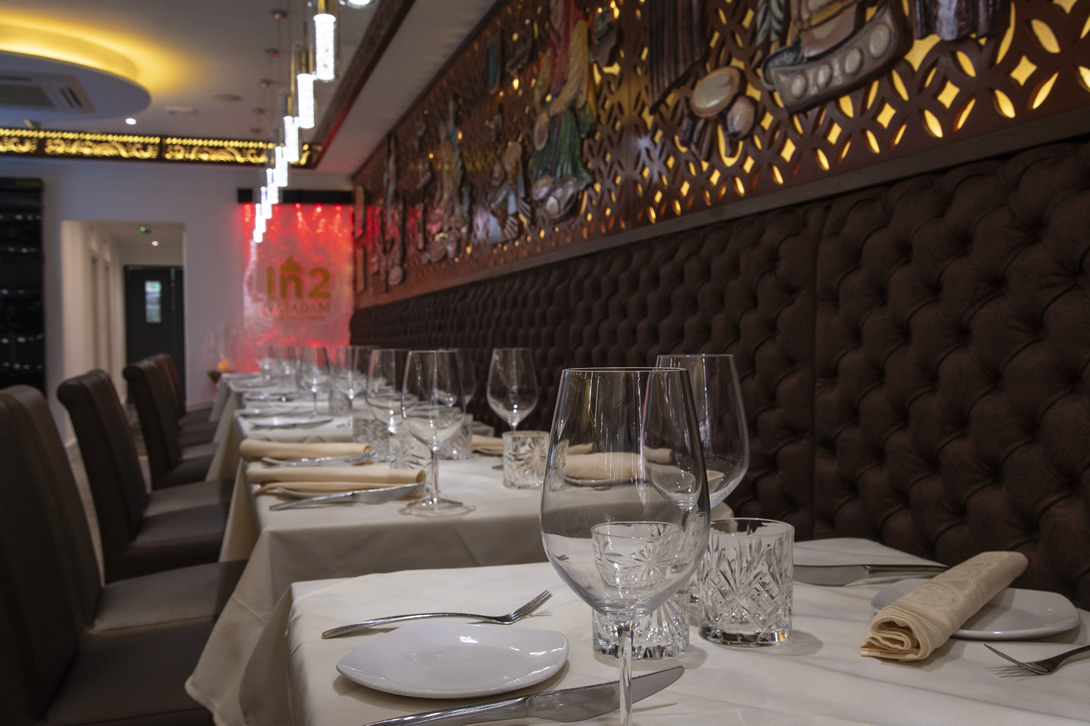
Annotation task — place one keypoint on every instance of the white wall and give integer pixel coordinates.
(202, 197)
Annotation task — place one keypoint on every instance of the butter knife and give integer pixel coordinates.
(836, 575)
(565, 705)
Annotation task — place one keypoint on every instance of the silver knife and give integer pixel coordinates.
(566, 705)
(847, 574)
(366, 496)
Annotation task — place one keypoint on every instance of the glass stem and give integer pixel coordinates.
(432, 485)
(625, 633)
(315, 392)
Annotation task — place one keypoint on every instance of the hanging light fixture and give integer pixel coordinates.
(270, 185)
(291, 139)
(304, 85)
(324, 42)
(281, 167)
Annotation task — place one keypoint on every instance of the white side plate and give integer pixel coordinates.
(1013, 614)
(455, 660)
(283, 422)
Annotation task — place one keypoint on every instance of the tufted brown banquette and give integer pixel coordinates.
(915, 358)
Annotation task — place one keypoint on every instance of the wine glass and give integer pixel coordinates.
(267, 359)
(432, 409)
(313, 370)
(467, 375)
(385, 376)
(624, 506)
(512, 385)
(289, 364)
(348, 372)
(724, 434)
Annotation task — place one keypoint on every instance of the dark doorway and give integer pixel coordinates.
(22, 319)
(154, 314)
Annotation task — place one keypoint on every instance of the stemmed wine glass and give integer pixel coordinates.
(348, 372)
(288, 372)
(467, 375)
(267, 358)
(717, 397)
(512, 385)
(385, 377)
(432, 408)
(313, 370)
(624, 507)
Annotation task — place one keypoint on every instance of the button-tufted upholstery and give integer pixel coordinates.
(914, 358)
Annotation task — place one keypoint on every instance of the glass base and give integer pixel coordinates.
(662, 634)
(747, 640)
(433, 504)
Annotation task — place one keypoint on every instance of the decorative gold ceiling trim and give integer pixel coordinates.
(82, 145)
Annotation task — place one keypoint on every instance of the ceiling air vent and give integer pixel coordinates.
(56, 92)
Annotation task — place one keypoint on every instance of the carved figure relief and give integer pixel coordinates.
(394, 241)
(448, 219)
(675, 42)
(508, 208)
(833, 52)
(953, 19)
(563, 98)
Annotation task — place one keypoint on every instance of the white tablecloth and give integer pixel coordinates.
(818, 677)
(500, 526)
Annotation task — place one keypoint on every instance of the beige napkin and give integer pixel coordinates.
(912, 626)
(488, 444)
(602, 466)
(331, 479)
(253, 449)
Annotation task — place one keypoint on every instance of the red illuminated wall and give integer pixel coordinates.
(298, 285)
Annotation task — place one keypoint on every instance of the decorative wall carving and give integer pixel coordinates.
(647, 163)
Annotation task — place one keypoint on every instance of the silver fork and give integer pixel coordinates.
(511, 617)
(1041, 667)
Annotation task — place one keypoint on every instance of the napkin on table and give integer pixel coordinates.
(487, 444)
(331, 479)
(912, 626)
(253, 449)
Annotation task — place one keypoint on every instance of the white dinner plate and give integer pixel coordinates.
(455, 660)
(282, 394)
(284, 422)
(1013, 614)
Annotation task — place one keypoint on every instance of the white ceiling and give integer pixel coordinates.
(189, 53)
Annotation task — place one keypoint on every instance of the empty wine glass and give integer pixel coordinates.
(348, 372)
(467, 375)
(717, 397)
(624, 506)
(267, 358)
(431, 406)
(288, 371)
(313, 370)
(385, 377)
(512, 385)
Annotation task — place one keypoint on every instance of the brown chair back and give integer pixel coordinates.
(109, 456)
(155, 408)
(42, 447)
(166, 364)
(39, 636)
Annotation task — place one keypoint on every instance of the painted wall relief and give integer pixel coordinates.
(565, 121)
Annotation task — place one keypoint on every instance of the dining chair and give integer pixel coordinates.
(193, 424)
(141, 533)
(54, 669)
(170, 463)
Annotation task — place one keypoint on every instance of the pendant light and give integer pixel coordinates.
(324, 42)
(270, 185)
(291, 139)
(304, 86)
(281, 167)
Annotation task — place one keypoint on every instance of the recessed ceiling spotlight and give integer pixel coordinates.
(229, 97)
(258, 111)
(155, 243)
(256, 131)
(130, 121)
(359, 3)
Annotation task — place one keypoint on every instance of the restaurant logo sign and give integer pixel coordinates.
(289, 297)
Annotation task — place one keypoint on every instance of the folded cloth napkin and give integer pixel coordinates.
(912, 626)
(253, 449)
(331, 479)
(487, 444)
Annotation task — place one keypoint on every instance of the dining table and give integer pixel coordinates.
(817, 677)
(497, 526)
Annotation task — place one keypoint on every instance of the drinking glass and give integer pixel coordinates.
(268, 357)
(512, 385)
(289, 364)
(724, 435)
(385, 377)
(624, 507)
(313, 370)
(432, 409)
(467, 375)
(348, 372)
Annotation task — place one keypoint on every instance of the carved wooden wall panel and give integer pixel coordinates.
(643, 170)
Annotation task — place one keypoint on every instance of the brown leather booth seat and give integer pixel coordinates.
(914, 357)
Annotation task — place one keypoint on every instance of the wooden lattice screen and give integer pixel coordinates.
(644, 174)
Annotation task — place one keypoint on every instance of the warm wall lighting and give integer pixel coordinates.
(324, 36)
